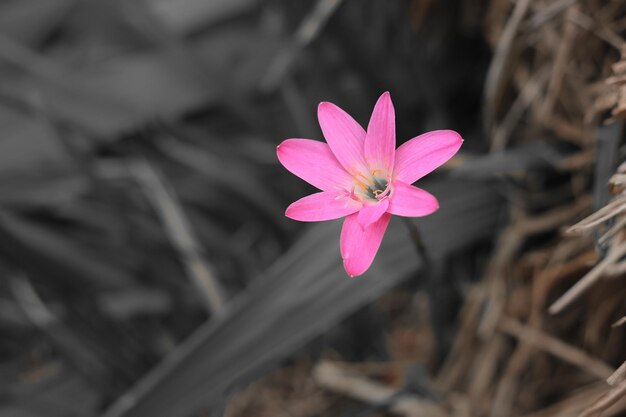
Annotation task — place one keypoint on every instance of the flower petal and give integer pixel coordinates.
(380, 141)
(409, 201)
(344, 136)
(422, 154)
(326, 205)
(314, 162)
(359, 245)
(371, 213)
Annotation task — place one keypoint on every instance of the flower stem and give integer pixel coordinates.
(417, 241)
(441, 296)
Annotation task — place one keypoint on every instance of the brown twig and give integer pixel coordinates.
(555, 347)
(586, 282)
(332, 377)
(606, 401)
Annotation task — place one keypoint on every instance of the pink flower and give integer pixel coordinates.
(363, 177)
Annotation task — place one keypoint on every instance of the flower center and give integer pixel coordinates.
(372, 187)
(378, 188)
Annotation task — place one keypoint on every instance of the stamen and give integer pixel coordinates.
(367, 180)
(383, 194)
(363, 185)
(353, 196)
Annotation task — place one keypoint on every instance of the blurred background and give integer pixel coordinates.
(147, 266)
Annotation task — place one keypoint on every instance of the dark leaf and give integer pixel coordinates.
(299, 297)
